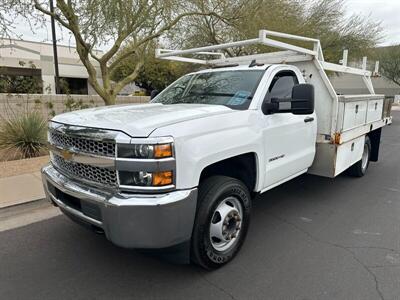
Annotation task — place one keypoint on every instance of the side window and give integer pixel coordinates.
(281, 86)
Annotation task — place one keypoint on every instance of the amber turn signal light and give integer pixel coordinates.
(163, 150)
(162, 178)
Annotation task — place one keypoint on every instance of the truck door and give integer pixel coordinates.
(289, 140)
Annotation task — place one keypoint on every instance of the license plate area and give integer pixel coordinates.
(87, 208)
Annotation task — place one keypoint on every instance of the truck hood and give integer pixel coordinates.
(139, 120)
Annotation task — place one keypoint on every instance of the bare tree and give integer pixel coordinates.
(6, 20)
(389, 61)
(324, 19)
(210, 30)
(327, 20)
(124, 27)
(10, 10)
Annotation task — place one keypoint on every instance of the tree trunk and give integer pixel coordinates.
(109, 99)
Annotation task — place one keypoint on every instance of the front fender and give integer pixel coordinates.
(202, 142)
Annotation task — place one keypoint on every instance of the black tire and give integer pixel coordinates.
(214, 192)
(359, 169)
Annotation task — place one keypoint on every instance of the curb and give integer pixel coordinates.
(24, 214)
(21, 207)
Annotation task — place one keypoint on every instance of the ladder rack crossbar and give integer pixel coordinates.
(294, 53)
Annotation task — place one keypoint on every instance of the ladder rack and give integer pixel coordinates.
(291, 53)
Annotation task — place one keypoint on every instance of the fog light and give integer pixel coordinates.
(143, 178)
(136, 178)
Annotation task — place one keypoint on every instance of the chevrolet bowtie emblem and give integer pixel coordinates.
(67, 155)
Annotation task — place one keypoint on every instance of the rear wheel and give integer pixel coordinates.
(360, 168)
(221, 223)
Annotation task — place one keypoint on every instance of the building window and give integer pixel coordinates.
(20, 80)
(73, 86)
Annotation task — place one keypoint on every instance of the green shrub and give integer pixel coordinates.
(71, 104)
(23, 135)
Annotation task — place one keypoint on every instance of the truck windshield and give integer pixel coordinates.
(234, 89)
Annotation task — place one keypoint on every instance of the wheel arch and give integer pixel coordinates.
(244, 167)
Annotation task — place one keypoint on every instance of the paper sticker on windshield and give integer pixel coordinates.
(239, 98)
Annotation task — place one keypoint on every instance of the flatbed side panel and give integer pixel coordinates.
(348, 154)
(351, 134)
(324, 161)
(332, 159)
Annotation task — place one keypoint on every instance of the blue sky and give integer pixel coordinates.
(385, 11)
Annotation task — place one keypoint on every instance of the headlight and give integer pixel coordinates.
(144, 150)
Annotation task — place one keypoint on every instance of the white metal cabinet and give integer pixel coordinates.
(354, 114)
(348, 153)
(374, 112)
(356, 111)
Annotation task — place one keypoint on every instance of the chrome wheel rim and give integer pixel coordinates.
(225, 224)
(365, 158)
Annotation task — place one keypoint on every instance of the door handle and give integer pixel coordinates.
(308, 119)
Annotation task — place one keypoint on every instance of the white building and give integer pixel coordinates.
(17, 58)
(25, 58)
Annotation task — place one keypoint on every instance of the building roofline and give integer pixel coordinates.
(40, 43)
(19, 47)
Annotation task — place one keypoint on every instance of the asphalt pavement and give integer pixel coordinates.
(311, 238)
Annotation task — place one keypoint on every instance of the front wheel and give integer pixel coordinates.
(222, 220)
(360, 168)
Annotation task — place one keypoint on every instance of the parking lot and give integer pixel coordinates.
(312, 238)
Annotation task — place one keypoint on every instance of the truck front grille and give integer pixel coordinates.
(64, 141)
(86, 172)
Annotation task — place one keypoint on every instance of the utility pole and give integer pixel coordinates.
(53, 33)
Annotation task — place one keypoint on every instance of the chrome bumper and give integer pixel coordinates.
(128, 220)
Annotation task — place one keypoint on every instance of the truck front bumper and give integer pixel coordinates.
(128, 220)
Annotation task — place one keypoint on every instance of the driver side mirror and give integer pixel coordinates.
(301, 102)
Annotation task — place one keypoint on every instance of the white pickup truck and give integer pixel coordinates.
(182, 170)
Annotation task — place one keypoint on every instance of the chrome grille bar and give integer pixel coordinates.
(87, 172)
(85, 145)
